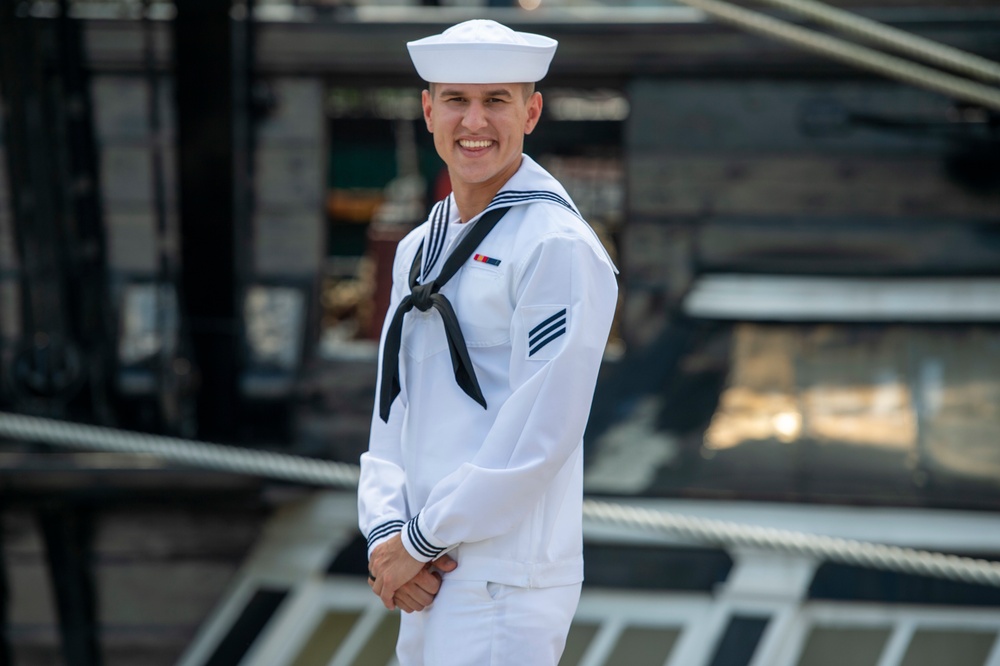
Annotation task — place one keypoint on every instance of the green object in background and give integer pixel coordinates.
(362, 165)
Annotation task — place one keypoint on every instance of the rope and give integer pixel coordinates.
(852, 54)
(197, 454)
(846, 551)
(340, 475)
(928, 50)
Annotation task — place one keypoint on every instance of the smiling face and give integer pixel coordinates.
(479, 131)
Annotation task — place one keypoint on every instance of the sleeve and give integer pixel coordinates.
(565, 301)
(382, 506)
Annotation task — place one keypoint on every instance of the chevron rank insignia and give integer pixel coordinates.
(550, 329)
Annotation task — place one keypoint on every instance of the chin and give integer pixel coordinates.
(476, 176)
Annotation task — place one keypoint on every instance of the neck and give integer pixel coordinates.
(473, 203)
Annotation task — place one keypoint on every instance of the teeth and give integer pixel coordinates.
(475, 144)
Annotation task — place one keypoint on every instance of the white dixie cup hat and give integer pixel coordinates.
(482, 51)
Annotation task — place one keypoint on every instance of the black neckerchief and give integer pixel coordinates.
(427, 296)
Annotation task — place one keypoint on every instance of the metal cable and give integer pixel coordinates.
(341, 475)
(928, 50)
(852, 54)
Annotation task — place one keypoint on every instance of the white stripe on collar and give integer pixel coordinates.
(436, 236)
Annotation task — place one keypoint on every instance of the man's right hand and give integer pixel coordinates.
(419, 593)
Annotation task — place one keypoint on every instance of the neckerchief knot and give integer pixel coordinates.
(423, 294)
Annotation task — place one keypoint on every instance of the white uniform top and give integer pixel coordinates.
(501, 488)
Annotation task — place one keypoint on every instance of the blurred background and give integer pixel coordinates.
(199, 204)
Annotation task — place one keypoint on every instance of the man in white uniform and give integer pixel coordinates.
(502, 301)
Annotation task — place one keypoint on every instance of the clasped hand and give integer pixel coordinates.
(403, 582)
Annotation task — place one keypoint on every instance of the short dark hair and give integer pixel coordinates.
(529, 89)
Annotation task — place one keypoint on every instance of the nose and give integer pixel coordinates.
(475, 117)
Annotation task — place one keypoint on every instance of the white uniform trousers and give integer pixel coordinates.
(475, 623)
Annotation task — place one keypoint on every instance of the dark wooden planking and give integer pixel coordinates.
(700, 185)
(591, 53)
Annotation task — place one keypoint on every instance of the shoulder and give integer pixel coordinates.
(538, 219)
(551, 224)
(412, 239)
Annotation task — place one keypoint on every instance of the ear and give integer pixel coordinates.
(534, 112)
(425, 102)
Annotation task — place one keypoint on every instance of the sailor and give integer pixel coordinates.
(471, 489)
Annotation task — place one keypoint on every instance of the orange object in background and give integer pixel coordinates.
(356, 205)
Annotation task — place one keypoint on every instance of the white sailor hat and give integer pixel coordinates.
(482, 51)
